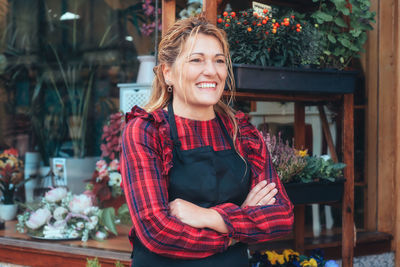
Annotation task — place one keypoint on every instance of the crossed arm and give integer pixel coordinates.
(181, 229)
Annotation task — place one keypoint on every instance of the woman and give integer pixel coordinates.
(198, 179)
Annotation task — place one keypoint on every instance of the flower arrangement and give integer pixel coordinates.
(62, 215)
(290, 258)
(11, 174)
(148, 27)
(288, 161)
(111, 136)
(294, 165)
(106, 182)
(264, 39)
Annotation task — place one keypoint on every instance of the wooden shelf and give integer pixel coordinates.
(19, 248)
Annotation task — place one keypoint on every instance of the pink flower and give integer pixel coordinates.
(101, 165)
(56, 194)
(103, 173)
(38, 218)
(80, 203)
(114, 165)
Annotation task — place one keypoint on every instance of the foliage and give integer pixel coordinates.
(288, 161)
(294, 165)
(264, 39)
(320, 168)
(95, 263)
(11, 174)
(343, 25)
(62, 215)
(289, 258)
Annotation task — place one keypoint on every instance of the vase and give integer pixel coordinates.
(32, 162)
(146, 74)
(8, 211)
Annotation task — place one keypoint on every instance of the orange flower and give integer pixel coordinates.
(225, 14)
(219, 20)
(255, 14)
(249, 29)
(259, 24)
(298, 30)
(274, 30)
(265, 11)
(264, 21)
(298, 25)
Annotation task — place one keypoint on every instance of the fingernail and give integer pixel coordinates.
(264, 182)
(273, 184)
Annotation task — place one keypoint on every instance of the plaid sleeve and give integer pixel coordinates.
(258, 223)
(145, 189)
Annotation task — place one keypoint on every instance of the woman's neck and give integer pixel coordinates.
(199, 113)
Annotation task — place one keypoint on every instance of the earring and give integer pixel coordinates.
(169, 88)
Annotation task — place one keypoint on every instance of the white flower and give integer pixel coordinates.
(80, 225)
(54, 231)
(94, 219)
(38, 218)
(79, 203)
(101, 235)
(115, 179)
(73, 234)
(59, 213)
(325, 157)
(56, 194)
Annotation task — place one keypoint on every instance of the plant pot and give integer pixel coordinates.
(145, 73)
(8, 211)
(315, 192)
(251, 78)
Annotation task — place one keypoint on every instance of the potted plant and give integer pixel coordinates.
(307, 179)
(268, 49)
(11, 176)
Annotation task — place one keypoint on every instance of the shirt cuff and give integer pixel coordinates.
(225, 217)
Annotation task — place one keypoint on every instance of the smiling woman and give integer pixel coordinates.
(197, 190)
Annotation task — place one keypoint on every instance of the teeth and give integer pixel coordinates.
(207, 85)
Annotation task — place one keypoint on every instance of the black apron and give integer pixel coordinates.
(206, 178)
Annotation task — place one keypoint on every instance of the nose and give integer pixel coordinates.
(209, 68)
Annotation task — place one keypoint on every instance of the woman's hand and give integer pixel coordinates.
(262, 194)
(197, 216)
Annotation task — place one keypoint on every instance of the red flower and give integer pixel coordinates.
(11, 151)
(233, 14)
(225, 14)
(220, 20)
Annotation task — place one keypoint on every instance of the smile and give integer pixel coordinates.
(207, 85)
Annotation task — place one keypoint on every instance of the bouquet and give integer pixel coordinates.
(105, 184)
(62, 215)
(11, 174)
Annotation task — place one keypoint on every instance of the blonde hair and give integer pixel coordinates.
(171, 47)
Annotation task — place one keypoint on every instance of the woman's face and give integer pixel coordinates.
(199, 73)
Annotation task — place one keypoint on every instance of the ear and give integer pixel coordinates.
(167, 72)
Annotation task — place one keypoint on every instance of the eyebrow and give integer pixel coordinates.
(202, 54)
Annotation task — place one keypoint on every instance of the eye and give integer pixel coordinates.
(220, 60)
(195, 60)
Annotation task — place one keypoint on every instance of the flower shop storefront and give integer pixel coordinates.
(62, 62)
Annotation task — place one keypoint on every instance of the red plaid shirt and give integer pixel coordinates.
(146, 159)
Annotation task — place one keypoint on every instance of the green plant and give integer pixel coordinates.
(319, 169)
(263, 39)
(343, 25)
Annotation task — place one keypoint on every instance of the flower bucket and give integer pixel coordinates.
(315, 192)
(8, 211)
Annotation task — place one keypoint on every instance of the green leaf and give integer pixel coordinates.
(323, 16)
(340, 22)
(345, 42)
(331, 38)
(108, 219)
